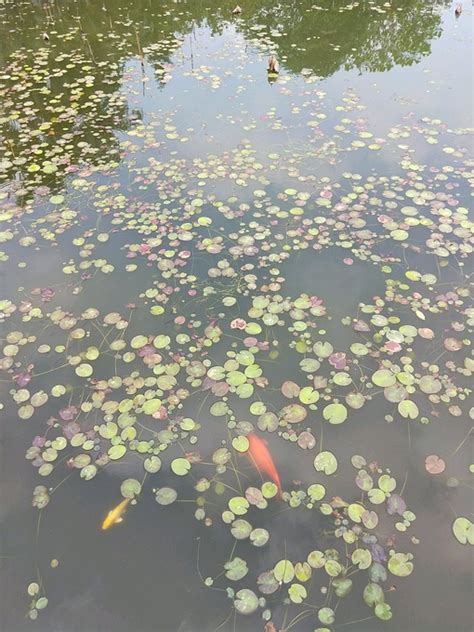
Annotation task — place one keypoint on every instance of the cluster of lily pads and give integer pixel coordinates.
(354, 544)
(195, 350)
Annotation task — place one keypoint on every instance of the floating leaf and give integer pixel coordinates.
(152, 464)
(373, 594)
(241, 529)
(284, 571)
(116, 452)
(308, 395)
(355, 511)
(267, 583)
(325, 462)
(259, 537)
(408, 408)
(297, 593)
(383, 611)
(180, 466)
(332, 568)
(342, 586)
(236, 569)
(239, 505)
(130, 488)
(335, 413)
(326, 616)
(269, 489)
(165, 496)
(384, 378)
(399, 564)
(362, 558)
(316, 492)
(303, 571)
(246, 601)
(240, 443)
(316, 559)
(387, 484)
(463, 530)
(84, 370)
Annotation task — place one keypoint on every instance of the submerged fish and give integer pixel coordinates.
(262, 459)
(115, 515)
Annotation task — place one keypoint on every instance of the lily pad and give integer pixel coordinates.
(180, 466)
(335, 413)
(463, 530)
(246, 601)
(325, 462)
(165, 495)
(236, 569)
(284, 571)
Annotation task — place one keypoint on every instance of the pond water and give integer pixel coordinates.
(235, 314)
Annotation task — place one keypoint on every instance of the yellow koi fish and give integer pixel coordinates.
(115, 515)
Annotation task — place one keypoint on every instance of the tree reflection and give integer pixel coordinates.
(96, 38)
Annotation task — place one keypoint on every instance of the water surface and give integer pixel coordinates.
(193, 250)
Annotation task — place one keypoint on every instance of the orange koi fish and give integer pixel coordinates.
(115, 515)
(262, 459)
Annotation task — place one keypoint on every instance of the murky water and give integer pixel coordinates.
(195, 251)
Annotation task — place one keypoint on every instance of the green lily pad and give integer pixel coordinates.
(130, 488)
(246, 601)
(387, 484)
(269, 489)
(138, 342)
(342, 586)
(161, 341)
(308, 395)
(373, 594)
(236, 569)
(297, 593)
(316, 559)
(400, 565)
(408, 409)
(259, 537)
(284, 571)
(303, 571)
(429, 385)
(463, 530)
(383, 611)
(335, 413)
(384, 378)
(241, 529)
(239, 505)
(151, 406)
(116, 452)
(325, 462)
(362, 558)
(240, 443)
(316, 492)
(165, 495)
(152, 464)
(84, 370)
(332, 568)
(376, 496)
(180, 466)
(326, 616)
(355, 511)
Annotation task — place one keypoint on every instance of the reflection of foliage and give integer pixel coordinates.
(99, 40)
(338, 35)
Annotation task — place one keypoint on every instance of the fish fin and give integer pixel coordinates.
(119, 520)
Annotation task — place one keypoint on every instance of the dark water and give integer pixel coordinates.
(156, 182)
